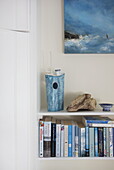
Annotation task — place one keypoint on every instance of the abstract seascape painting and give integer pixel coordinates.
(88, 26)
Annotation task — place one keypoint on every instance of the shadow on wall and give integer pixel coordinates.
(77, 165)
(43, 91)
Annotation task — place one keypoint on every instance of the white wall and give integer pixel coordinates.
(92, 73)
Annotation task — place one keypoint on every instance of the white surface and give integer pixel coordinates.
(7, 100)
(76, 159)
(84, 73)
(14, 14)
(22, 97)
(65, 113)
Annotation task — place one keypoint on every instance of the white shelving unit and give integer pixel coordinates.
(80, 113)
(63, 114)
(44, 59)
(74, 158)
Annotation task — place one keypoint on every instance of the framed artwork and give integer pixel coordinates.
(88, 26)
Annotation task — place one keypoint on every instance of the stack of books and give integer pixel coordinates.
(92, 137)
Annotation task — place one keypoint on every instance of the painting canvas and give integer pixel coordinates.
(88, 26)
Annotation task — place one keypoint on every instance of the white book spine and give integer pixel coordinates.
(58, 140)
(82, 142)
(111, 141)
(66, 141)
(105, 147)
(41, 124)
(62, 140)
(101, 125)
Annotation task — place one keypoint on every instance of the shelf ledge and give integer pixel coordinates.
(74, 158)
(79, 113)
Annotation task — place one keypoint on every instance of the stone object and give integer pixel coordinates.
(82, 102)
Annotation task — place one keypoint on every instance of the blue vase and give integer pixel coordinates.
(55, 92)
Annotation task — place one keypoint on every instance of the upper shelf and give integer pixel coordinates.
(79, 113)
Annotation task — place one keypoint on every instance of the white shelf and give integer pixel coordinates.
(80, 113)
(74, 158)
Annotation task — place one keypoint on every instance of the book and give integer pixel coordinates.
(41, 129)
(82, 139)
(107, 143)
(91, 142)
(86, 141)
(58, 139)
(47, 139)
(77, 140)
(66, 141)
(104, 139)
(83, 142)
(90, 119)
(96, 141)
(111, 141)
(73, 140)
(62, 140)
(69, 140)
(100, 142)
(101, 125)
(53, 139)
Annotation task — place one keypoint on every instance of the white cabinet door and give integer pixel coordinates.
(7, 100)
(14, 101)
(22, 15)
(8, 14)
(14, 14)
(22, 101)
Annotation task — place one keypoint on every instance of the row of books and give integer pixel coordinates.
(93, 137)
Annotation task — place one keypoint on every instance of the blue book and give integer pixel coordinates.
(73, 141)
(87, 141)
(90, 119)
(107, 143)
(96, 141)
(79, 142)
(91, 142)
(69, 140)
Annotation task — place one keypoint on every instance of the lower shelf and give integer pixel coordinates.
(79, 158)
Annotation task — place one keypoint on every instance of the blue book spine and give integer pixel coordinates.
(73, 140)
(107, 143)
(100, 142)
(69, 140)
(97, 121)
(91, 142)
(82, 142)
(104, 139)
(79, 142)
(96, 141)
(87, 141)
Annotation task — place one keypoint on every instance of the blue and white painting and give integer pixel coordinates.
(89, 26)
